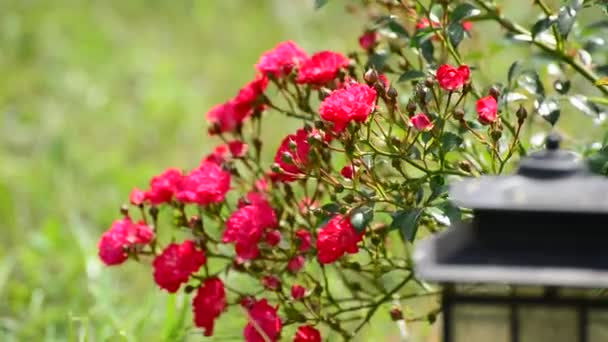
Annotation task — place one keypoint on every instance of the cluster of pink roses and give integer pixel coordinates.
(254, 226)
(255, 221)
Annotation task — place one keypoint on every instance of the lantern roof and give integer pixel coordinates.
(545, 225)
(547, 180)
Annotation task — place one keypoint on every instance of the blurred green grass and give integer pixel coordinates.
(98, 96)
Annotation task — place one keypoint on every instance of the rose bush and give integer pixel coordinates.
(324, 230)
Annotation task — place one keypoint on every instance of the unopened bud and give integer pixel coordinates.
(464, 165)
(521, 113)
(339, 188)
(379, 86)
(276, 168)
(287, 157)
(429, 82)
(371, 76)
(189, 289)
(496, 134)
(431, 317)
(319, 124)
(392, 93)
(307, 127)
(124, 210)
(348, 199)
(396, 313)
(411, 106)
(494, 92)
(458, 114)
(421, 94)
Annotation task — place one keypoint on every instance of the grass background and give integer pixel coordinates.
(98, 96)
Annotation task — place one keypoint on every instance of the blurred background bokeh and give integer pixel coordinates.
(98, 96)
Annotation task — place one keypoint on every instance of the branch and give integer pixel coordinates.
(518, 29)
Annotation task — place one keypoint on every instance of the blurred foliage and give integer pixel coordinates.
(97, 96)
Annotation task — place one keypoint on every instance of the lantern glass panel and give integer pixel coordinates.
(598, 325)
(480, 323)
(548, 323)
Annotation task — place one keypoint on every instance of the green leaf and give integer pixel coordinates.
(361, 217)
(411, 75)
(407, 222)
(390, 22)
(514, 71)
(456, 33)
(463, 11)
(450, 141)
(561, 87)
(320, 3)
(583, 104)
(377, 61)
(541, 26)
(549, 110)
(331, 208)
(531, 82)
(397, 28)
(598, 162)
(427, 51)
(565, 20)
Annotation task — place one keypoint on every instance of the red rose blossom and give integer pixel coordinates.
(218, 156)
(450, 78)
(354, 103)
(163, 186)
(237, 148)
(281, 60)
(208, 304)
(234, 149)
(321, 68)
(368, 40)
(271, 282)
(176, 263)
(205, 185)
(266, 318)
(337, 238)
(347, 171)
(296, 264)
(246, 226)
(298, 292)
(122, 234)
(273, 237)
(137, 197)
(223, 118)
(247, 100)
(487, 108)
(307, 333)
(304, 240)
(421, 122)
(299, 156)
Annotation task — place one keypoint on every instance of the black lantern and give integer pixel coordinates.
(529, 264)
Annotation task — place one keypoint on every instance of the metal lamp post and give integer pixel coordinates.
(528, 265)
